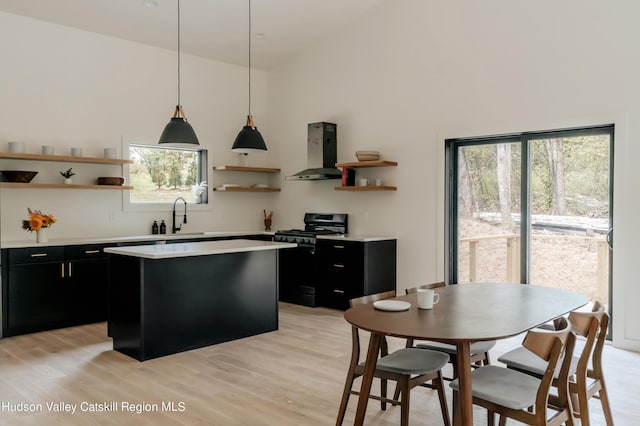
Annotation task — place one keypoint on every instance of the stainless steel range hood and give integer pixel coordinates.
(322, 153)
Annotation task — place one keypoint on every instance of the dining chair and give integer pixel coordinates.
(409, 367)
(521, 396)
(586, 377)
(479, 350)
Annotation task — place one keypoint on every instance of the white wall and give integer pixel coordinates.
(412, 73)
(71, 88)
(399, 80)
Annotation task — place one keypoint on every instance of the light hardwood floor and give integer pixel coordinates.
(293, 376)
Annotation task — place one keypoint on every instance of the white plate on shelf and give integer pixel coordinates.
(260, 185)
(230, 185)
(391, 305)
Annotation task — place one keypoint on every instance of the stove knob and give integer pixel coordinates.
(292, 239)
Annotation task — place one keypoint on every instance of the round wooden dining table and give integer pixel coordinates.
(465, 313)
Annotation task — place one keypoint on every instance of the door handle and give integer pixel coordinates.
(338, 291)
(610, 238)
(91, 251)
(39, 255)
(69, 264)
(62, 270)
(338, 247)
(337, 265)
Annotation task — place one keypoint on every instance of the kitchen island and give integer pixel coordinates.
(165, 299)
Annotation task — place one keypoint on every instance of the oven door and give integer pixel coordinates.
(298, 276)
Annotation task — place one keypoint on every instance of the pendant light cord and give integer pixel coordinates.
(179, 53)
(249, 58)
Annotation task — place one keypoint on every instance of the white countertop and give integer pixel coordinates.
(166, 251)
(149, 237)
(353, 237)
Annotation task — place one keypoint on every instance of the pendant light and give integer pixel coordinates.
(178, 130)
(249, 139)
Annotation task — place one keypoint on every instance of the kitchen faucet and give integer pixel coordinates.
(173, 227)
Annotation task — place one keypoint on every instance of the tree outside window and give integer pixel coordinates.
(160, 174)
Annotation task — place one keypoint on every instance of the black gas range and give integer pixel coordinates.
(298, 266)
(314, 224)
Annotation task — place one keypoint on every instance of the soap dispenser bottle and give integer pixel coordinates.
(163, 227)
(154, 227)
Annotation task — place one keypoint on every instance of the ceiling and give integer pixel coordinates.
(216, 29)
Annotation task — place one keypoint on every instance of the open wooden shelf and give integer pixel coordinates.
(244, 189)
(62, 186)
(246, 169)
(64, 158)
(366, 188)
(377, 163)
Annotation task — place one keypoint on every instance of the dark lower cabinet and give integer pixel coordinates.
(52, 287)
(60, 286)
(88, 281)
(350, 269)
(35, 293)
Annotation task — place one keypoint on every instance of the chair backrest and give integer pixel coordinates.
(593, 326)
(355, 336)
(431, 285)
(551, 346)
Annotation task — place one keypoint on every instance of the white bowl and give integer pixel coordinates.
(367, 155)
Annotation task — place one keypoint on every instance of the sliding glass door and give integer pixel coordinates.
(531, 208)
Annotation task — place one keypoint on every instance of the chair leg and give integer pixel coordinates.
(487, 359)
(404, 404)
(439, 384)
(345, 399)
(383, 394)
(455, 409)
(604, 400)
(396, 393)
(583, 403)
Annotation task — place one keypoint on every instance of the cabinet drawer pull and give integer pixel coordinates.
(69, 268)
(91, 251)
(38, 254)
(338, 291)
(338, 247)
(62, 270)
(337, 265)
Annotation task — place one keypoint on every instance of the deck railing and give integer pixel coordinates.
(512, 247)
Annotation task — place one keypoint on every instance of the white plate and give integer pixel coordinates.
(260, 185)
(230, 185)
(391, 305)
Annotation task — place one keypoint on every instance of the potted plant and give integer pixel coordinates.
(67, 176)
(198, 190)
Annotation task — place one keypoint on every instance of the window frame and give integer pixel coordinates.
(129, 206)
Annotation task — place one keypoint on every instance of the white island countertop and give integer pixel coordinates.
(167, 251)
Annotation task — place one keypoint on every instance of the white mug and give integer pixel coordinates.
(47, 150)
(427, 298)
(16, 147)
(378, 182)
(110, 153)
(76, 152)
(364, 182)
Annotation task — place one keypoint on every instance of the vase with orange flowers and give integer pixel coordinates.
(39, 223)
